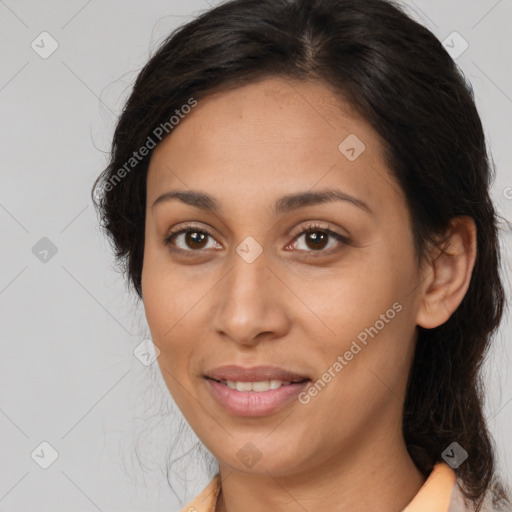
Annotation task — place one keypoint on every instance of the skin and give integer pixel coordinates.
(247, 147)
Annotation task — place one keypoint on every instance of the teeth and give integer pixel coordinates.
(274, 384)
(263, 385)
(243, 386)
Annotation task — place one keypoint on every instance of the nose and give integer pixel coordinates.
(252, 302)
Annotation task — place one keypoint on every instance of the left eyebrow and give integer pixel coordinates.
(284, 204)
(292, 202)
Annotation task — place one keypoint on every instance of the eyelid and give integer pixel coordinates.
(314, 226)
(317, 225)
(302, 230)
(183, 228)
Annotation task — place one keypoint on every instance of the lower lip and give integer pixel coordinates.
(254, 403)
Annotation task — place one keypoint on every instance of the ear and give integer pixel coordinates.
(447, 275)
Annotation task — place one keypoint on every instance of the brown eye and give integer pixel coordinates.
(195, 239)
(317, 239)
(190, 239)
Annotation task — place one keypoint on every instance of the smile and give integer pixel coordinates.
(258, 398)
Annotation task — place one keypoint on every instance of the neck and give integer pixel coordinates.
(374, 479)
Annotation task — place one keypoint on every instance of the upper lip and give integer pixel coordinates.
(253, 374)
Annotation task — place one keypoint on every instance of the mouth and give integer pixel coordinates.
(255, 398)
(258, 375)
(254, 391)
(260, 386)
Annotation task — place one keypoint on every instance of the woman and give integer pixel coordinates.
(299, 192)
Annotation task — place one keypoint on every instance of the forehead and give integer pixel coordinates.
(273, 134)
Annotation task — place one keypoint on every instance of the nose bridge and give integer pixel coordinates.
(247, 290)
(249, 303)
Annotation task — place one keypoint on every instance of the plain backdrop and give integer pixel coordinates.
(74, 397)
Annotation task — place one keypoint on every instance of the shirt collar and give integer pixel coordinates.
(434, 495)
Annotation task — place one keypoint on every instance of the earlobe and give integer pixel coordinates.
(449, 273)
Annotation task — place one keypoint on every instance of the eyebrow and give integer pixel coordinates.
(284, 204)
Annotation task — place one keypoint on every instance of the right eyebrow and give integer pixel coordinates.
(192, 198)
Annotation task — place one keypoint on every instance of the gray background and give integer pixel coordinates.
(68, 328)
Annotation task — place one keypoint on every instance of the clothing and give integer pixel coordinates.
(441, 492)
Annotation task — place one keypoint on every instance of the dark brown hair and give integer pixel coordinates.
(399, 78)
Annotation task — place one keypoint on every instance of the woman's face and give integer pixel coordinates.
(246, 287)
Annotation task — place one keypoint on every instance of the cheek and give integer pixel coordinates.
(164, 306)
(166, 296)
(174, 303)
(367, 309)
(358, 294)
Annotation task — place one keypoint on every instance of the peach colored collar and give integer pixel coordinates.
(434, 495)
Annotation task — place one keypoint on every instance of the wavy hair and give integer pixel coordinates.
(397, 75)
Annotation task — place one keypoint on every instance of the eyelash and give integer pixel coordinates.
(311, 228)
